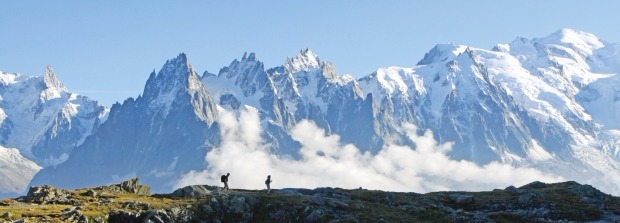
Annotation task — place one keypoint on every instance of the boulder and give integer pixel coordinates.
(129, 186)
(135, 205)
(155, 216)
(90, 193)
(133, 186)
(123, 216)
(194, 191)
(48, 194)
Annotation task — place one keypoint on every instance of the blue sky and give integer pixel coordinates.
(107, 49)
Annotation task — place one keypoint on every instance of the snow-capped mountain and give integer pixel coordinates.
(521, 102)
(157, 136)
(43, 121)
(549, 103)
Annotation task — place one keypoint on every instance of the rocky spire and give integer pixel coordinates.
(250, 56)
(304, 61)
(50, 79)
(173, 76)
(177, 83)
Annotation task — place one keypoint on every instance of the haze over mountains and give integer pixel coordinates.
(462, 118)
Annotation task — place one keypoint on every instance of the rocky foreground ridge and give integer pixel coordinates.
(131, 202)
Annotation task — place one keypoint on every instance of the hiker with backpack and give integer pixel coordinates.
(267, 182)
(224, 180)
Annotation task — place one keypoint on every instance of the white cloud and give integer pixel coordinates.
(326, 162)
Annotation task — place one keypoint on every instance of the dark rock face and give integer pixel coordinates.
(158, 216)
(462, 198)
(238, 208)
(225, 208)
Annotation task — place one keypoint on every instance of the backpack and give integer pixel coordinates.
(223, 179)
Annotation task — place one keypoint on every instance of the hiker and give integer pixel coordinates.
(267, 182)
(224, 180)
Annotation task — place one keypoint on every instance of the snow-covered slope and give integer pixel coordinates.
(550, 103)
(15, 171)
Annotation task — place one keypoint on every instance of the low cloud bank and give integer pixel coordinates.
(326, 162)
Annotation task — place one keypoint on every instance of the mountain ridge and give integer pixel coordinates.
(530, 103)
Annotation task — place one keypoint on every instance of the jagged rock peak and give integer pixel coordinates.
(250, 57)
(248, 64)
(208, 74)
(178, 67)
(182, 56)
(181, 62)
(175, 75)
(305, 60)
(177, 82)
(442, 53)
(50, 79)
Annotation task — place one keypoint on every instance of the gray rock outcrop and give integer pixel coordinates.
(194, 191)
(47, 194)
(129, 186)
